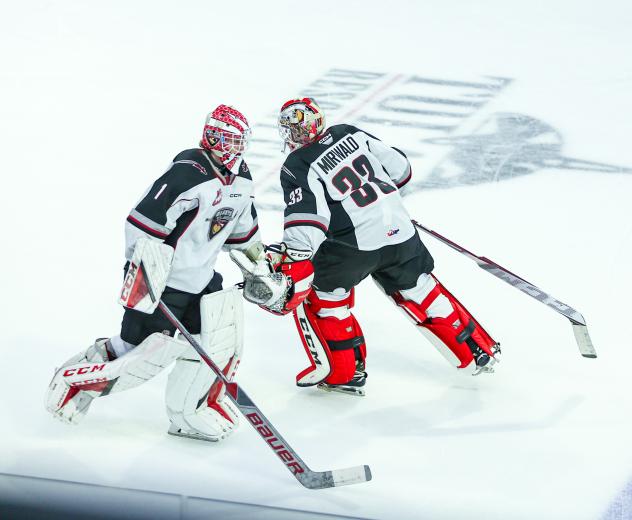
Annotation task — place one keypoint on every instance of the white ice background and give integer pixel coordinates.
(95, 100)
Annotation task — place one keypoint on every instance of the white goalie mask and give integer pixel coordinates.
(300, 122)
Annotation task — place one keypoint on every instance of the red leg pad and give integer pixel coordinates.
(344, 338)
(456, 331)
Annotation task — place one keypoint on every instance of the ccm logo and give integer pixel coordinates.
(280, 449)
(84, 370)
(90, 381)
(129, 281)
(309, 340)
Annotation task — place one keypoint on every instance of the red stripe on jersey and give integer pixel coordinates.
(313, 223)
(243, 239)
(146, 228)
(405, 181)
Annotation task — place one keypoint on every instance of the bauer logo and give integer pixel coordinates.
(280, 449)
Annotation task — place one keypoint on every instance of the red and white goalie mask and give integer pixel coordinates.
(226, 134)
(300, 122)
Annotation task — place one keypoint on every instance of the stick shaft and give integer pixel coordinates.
(576, 318)
(307, 477)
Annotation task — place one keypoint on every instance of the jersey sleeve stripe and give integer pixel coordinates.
(406, 178)
(152, 224)
(143, 227)
(242, 237)
(313, 223)
(311, 217)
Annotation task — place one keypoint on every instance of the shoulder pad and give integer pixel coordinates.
(342, 129)
(193, 159)
(295, 166)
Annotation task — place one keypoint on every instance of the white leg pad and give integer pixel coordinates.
(90, 374)
(67, 404)
(196, 403)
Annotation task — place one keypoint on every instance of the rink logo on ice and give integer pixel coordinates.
(448, 127)
(281, 450)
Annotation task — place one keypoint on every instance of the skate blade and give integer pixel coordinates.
(487, 369)
(177, 432)
(347, 390)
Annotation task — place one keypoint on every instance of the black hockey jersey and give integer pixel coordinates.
(198, 208)
(344, 187)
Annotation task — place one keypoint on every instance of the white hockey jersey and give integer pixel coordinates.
(344, 188)
(198, 208)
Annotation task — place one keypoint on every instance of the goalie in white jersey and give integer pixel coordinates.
(202, 204)
(345, 220)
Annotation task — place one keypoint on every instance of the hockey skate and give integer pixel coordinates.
(190, 434)
(353, 387)
(209, 423)
(485, 363)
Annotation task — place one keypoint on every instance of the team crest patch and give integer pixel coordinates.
(222, 217)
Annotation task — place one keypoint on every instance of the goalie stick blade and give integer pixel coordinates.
(583, 340)
(273, 439)
(580, 330)
(335, 478)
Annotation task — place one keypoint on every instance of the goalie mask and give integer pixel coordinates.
(300, 122)
(226, 134)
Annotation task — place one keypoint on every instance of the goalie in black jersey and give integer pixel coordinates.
(201, 205)
(345, 220)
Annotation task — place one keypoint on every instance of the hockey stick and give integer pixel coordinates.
(307, 477)
(577, 320)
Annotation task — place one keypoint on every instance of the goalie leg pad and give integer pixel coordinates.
(69, 403)
(195, 398)
(346, 343)
(93, 374)
(454, 331)
(332, 338)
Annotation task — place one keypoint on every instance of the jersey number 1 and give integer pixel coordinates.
(362, 193)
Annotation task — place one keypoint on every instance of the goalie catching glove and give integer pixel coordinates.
(278, 282)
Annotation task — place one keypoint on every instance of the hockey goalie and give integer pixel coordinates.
(344, 221)
(201, 205)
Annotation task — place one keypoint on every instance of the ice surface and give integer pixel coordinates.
(96, 98)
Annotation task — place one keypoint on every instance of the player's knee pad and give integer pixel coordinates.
(332, 338)
(94, 373)
(453, 330)
(195, 398)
